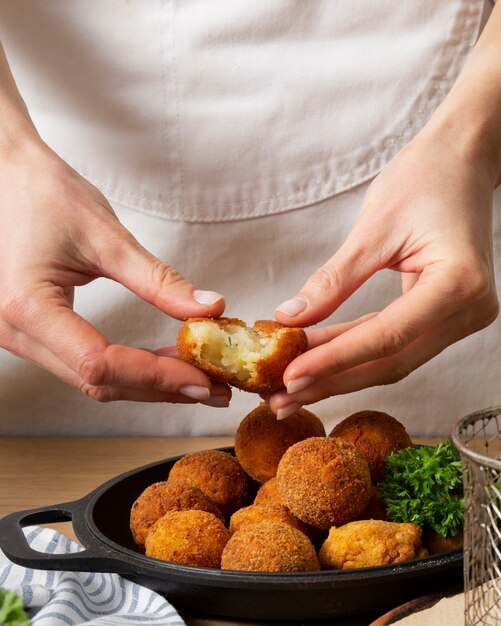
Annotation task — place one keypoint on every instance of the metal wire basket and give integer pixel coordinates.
(478, 440)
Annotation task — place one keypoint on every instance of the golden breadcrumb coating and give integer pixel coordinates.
(366, 543)
(164, 496)
(376, 435)
(324, 481)
(269, 546)
(188, 537)
(261, 439)
(253, 359)
(268, 493)
(219, 475)
(259, 512)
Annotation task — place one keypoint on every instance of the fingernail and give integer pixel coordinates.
(296, 384)
(197, 392)
(217, 401)
(293, 306)
(287, 410)
(206, 297)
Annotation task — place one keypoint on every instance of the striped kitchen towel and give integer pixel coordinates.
(54, 598)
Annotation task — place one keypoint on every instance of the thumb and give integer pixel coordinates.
(157, 282)
(329, 286)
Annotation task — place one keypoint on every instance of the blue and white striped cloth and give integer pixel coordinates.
(56, 598)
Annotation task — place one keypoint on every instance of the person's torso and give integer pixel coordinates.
(206, 110)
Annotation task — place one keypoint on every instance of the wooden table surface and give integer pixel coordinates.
(42, 471)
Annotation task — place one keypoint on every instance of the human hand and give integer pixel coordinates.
(428, 216)
(57, 231)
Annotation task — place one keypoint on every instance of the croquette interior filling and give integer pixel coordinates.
(235, 348)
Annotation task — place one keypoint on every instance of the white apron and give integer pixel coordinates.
(236, 141)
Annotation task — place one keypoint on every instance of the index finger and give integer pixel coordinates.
(319, 336)
(440, 291)
(53, 324)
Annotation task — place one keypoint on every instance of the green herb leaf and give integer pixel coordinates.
(424, 485)
(11, 610)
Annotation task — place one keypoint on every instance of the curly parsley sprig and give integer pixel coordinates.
(11, 610)
(424, 485)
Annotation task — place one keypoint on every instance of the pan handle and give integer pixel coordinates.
(15, 546)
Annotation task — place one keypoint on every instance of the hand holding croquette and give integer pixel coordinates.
(228, 351)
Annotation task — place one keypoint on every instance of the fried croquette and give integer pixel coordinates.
(268, 493)
(261, 439)
(189, 538)
(324, 481)
(376, 435)
(366, 543)
(435, 543)
(253, 359)
(165, 496)
(219, 475)
(259, 512)
(269, 546)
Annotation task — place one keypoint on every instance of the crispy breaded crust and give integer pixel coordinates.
(268, 372)
(269, 546)
(324, 481)
(161, 497)
(376, 435)
(268, 493)
(219, 475)
(366, 543)
(261, 439)
(259, 512)
(188, 537)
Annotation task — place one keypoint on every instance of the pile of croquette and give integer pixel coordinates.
(291, 499)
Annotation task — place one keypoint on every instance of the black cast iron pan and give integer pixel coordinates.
(101, 523)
